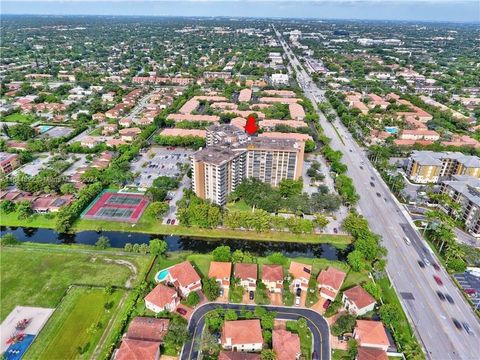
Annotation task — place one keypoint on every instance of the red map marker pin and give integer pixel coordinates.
(251, 126)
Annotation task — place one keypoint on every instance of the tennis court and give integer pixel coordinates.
(116, 207)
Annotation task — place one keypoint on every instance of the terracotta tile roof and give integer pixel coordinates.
(183, 132)
(285, 344)
(331, 277)
(220, 270)
(138, 350)
(235, 355)
(246, 271)
(359, 296)
(242, 332)
(184, 273)
(364, 353)
(161, 295)
(272, 272)
(299, 270)
(147, 329)
(279, 135)
(371, 332)
(245, 95)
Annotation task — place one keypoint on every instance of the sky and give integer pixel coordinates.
(415, 10)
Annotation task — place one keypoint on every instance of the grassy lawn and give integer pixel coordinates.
(39, 275)
(36, 221)
(153, 226)
(236, 294)
(389, 296)
(239, 206)
(76, 326)
(340, 355)
(17, 117)
(96, 132)
(305, 338)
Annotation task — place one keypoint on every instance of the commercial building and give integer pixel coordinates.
(465, 190)
(279, 79)
(429, 167)
(231, 156)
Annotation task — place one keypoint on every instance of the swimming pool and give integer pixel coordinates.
(44, 128)
(161, 275)
(391, 129)
(16, 351)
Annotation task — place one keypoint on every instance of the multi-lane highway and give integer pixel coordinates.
(431, 317)
(316, 323)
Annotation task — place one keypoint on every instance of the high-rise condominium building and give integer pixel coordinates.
(230, 157)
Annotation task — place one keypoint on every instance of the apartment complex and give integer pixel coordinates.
(231, 156)
(8, 162)
(430, 167)
(465, 190)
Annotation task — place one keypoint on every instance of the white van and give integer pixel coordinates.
(407, 240)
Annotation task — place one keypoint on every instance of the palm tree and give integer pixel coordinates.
(455, 250)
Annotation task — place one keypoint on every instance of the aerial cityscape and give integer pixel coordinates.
(243, 185)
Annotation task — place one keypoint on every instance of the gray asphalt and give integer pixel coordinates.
(431, 318)
(316, 323)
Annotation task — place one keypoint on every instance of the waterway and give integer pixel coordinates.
(118, 239)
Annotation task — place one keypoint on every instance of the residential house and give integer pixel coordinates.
(357, 301)
(129, 134)
(300, 275)
(247, 273)
(109, 129)
(365, 353)
(184, 277)
(329, 281)
(162, 298)
(89, 142)
(138, 350)
(272, 277)
(242, 335)
(371, 334)
(286, 345)
(8, 162)
(221, 272)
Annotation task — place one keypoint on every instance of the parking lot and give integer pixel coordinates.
(33, 167)
(159, 161)
(468, 281)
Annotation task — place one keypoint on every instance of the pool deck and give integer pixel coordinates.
(158, 273)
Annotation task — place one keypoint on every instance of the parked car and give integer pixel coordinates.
(326, 304)
(251, 295)
(470, 292)
(298, 292)
(182, 311)
(335, 230)
(438, 280)
(297, 301)
(169, 221)
(173, 222)
(221, 292)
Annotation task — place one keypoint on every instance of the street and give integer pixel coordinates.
(317, 324)
(431, 317)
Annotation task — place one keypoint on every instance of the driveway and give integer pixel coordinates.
(316, 323)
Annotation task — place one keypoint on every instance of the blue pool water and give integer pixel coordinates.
(391, 129)
(16, 351)
(44, 128)
(162, 275)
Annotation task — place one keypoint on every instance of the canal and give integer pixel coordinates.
(118, 239)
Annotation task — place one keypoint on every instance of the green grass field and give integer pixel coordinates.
(39, 276)
(17, 117)
(76, 326)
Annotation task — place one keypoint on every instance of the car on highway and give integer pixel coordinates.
(435, 266)
(407, 240)
(421, 264)
(314, 356)
(440, 295)
(181, 311)
(457, 324)
(438, 280)
(379, 195)
(467, 328)
(251, 295)
(372, 184)
(361, 167)
(425, 260)
(449, 299)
